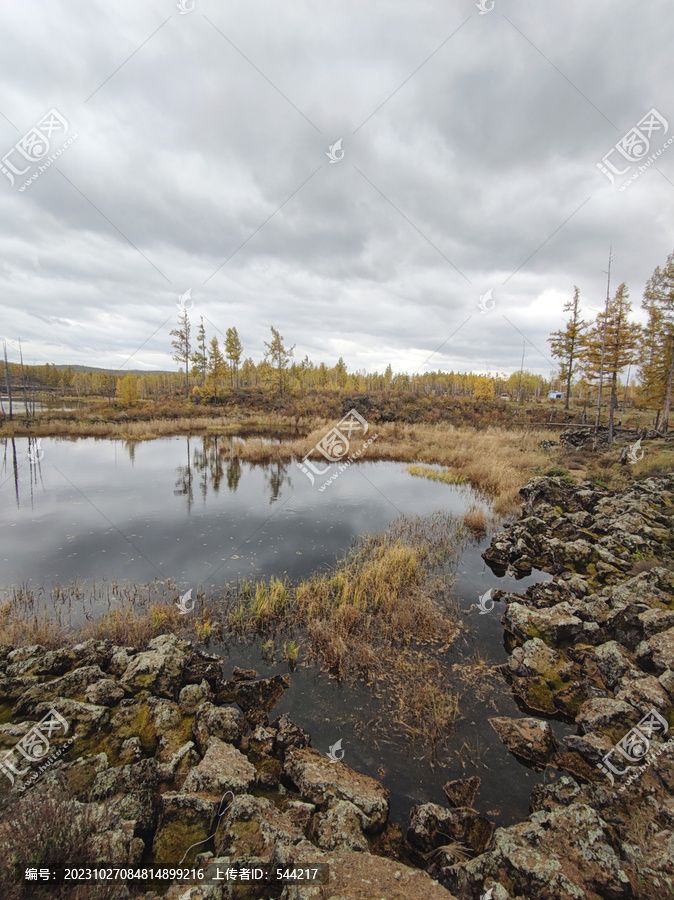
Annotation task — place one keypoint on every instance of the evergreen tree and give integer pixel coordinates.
(233, 351)
(181, 345)
(657, 369)
(565, 345)
(279, 356)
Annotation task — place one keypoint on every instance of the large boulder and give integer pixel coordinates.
(554, 625)
(257, 698)
(529, 739)
(184, 820)
(223, 768)
(432, 826)
(568, 853)
(288, 734)
(252, 826)
(73, 685)
(341, 827)
(606, 715)
(322, 781)
(130, 791)
(158, 669)
(225, 723)
(85, 719)
(658, 651)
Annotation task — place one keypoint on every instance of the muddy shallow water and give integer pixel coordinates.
(96, 510)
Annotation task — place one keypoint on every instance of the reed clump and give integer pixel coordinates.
(388, 591)
(476, 521)
(382, 614)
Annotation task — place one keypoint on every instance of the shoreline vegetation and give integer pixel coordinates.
(494, 460)
(384, 615)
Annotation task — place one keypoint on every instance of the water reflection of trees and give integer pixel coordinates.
(276, 476)
(11, 466)
(208, 462)
(183, 485)
(215, 460)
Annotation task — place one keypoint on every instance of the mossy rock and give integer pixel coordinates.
(90, 746)
(533, 632)
(246, 837)
(172, 841)
(81, 777)
(5, 712)
(137, 722)
(269, 765)
(539, 697)
(570, 699)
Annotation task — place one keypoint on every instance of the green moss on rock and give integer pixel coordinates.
(173, 840)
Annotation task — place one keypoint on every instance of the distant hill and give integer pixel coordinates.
(117, 371)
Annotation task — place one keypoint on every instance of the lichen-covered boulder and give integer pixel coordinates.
(223, 768)
(184, 819)
(159, 668)
(340, 827)
(322, 781)
(569, 853)
(225, 723)
(528, 739)
(433, 826)
(252, 827)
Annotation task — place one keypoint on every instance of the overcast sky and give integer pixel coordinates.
(470, 147)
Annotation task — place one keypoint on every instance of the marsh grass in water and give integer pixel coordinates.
(389, 590)
(446, 476)
(383, 615)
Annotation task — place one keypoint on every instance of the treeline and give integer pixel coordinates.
(592, 357)
(601, 350)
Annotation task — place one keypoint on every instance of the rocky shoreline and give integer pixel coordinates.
(171, 748)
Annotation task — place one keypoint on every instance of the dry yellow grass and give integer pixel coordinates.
(143, 430)
(141, 613)
(497, 461)
(476, 521)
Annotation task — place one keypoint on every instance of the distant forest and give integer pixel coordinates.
(613, 356)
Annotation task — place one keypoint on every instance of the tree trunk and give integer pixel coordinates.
(613, 402)
(9, 386)
(668, 395)
(568, 382)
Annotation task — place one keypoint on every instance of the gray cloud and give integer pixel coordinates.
(203, 148)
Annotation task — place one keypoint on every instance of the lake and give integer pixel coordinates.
(89, 510)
